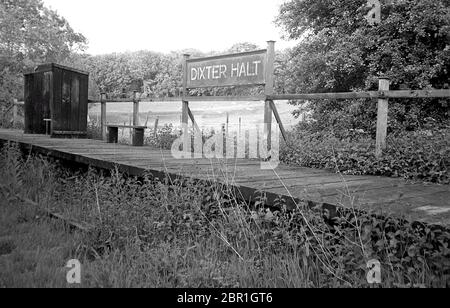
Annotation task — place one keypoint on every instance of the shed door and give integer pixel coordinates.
(66, 107)
(38, 95)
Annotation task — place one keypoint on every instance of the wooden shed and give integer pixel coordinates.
(56, 101)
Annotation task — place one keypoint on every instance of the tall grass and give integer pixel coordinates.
(151, 232)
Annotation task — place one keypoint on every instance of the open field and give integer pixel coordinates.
(207, 114)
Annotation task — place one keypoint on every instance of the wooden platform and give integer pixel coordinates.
(419, 201)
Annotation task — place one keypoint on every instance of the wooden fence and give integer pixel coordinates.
(382, 96)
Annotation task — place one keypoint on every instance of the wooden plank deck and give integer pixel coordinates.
(416, 201)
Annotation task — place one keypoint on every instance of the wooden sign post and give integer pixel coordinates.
(185, 107)
(268, 91)
(103, 115)
(241, 69)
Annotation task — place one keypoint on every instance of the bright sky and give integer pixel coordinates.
(168, 25)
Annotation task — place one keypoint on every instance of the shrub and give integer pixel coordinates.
(94, 129)
(164, 137)
(422, 155)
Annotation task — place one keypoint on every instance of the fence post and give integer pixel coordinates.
(240, 126)
(135, 109)
(185, 111)
(269, 90)
(382, 117)
(228, 124)
(268, 124)
(15, 112)
(103, 115)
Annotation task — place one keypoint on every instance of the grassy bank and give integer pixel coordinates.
(149, 233)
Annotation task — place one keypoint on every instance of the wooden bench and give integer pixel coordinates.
(138, 134)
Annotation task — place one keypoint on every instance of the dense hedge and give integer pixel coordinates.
(423, 155)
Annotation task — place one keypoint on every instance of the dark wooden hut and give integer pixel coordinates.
(56, 101)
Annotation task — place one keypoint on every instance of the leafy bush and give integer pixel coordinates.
(422, 155)
(94, 129)
(164, 137)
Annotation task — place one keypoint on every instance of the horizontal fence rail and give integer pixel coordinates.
(180, 98)
(372, 94)
(432, 93)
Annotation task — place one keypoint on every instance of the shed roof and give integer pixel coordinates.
(50, 66)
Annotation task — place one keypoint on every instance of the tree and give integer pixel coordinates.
(243, 47)
(340, 51)
(31, 34)
(168, 81)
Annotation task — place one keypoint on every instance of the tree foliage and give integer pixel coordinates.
(119, 74)
(243, 47)
(340, 51)
(31, 34)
